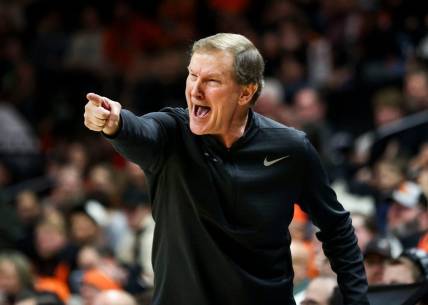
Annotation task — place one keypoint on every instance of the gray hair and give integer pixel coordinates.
(247, 61)
(22, 267)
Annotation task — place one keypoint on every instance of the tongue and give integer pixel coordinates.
(202, 111)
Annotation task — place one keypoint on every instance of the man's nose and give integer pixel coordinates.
(197, 89)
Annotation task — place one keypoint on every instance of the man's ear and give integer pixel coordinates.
(247, 94)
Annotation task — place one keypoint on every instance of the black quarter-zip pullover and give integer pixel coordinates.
(222, 215)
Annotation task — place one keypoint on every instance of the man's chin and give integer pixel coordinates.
(196, 129)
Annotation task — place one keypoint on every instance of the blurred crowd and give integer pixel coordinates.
(75, 217)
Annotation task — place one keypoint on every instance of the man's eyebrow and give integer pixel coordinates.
(212, 74)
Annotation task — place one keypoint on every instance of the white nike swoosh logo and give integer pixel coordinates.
(269, 163)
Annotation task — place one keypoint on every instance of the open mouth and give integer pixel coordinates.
(201, 111)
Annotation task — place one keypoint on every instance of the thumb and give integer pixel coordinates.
(95, 99)
(106, 104)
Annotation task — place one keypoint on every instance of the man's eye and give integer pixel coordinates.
(214, 81)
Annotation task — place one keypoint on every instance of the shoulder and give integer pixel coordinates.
(270, 128)
(169, 116)
(177, 113)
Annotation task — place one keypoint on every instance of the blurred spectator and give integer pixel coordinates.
(310, 115)
(311, 110)
(271, 102)
(127, 36)
(51, 41)
(178, 22)
(319, 291)
(52, 265)
(29, 212)
(300, 260)
(321, 262)
(320, 62)
(101, 179)
(416, 90)
(300, 226)
(88, 257)
(114, 297)
(387, 176)
(28, 207)
(352, 52)
(408, 214)
(10, 229)
(104, 184)
(388, 106)
(68, 189)
(91, 258)
(365, 229)
(86, 223)
(16, 279)
(411, 267)
(77, 156)
(19, 147)
(86, 44)
(93, 283)
(376, 255)
(135, 247)
(291, 72)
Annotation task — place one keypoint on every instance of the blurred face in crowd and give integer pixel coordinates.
(387, 176)
(386, 114)
(403, 220)
(88, 258)
(69, 185)
(374, 265)
(416, 90)
(49, 239)
(78, 156)
(364, 235)
(319, 291)
(215, 100)
(101, 179)
(83, 229)
(88, 293)
(27, 206)
(398, 273)
(308, 108)
(9, 279)
(135, 216)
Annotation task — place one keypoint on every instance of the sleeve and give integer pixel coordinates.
(336, 230)
(144, 140)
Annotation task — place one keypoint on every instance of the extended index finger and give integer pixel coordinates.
(95, 99)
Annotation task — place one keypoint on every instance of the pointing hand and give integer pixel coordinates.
(102, 114)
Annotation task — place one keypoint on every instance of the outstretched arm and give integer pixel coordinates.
(143, 140)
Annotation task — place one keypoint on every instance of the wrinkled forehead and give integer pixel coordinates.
(212, 61)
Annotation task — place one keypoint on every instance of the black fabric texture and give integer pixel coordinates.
(222, 215)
